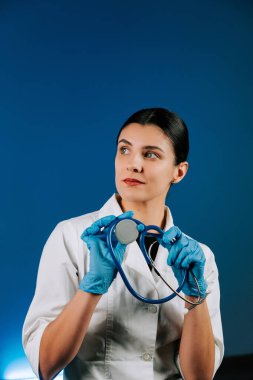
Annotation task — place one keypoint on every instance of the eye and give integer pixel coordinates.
(151, 155)
(123, 150)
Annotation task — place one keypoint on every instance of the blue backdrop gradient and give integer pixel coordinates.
(70, 74)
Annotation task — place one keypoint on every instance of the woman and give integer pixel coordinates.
(82, 317)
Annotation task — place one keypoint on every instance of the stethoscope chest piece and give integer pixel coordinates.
(126, 231)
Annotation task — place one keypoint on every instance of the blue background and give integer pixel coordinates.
(71, 72)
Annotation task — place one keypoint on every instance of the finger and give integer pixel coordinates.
(173, 233)
(85, 238)
(100, 223)
(92, 230)
(126, 214)
(176, 248)
(92, 244)
(103, 222)
(159, 238)
(194, 257)
(189, 261)
(140, 227)
(181, 258)
(119, 251)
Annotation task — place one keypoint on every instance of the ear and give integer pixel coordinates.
(180, 171)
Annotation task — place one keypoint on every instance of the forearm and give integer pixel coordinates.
(63, 337)
(197, 347)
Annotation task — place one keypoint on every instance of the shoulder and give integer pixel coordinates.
(76, 225)
(64, 241)
(69, 230)
(81, 222)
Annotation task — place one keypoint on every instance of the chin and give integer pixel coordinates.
(132, 195)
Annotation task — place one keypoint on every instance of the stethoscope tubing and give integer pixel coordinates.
(144, 232)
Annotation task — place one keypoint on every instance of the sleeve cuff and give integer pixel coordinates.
(33, 349)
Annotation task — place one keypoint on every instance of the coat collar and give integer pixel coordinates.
(134, 258)
(112, 207)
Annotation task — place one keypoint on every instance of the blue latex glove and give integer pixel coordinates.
(185, 253)
(102, 268)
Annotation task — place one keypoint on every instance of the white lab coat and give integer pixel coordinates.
(126, 339)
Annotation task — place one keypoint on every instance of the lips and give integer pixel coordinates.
(132, 181)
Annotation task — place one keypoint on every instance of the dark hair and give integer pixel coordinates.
(170, 123)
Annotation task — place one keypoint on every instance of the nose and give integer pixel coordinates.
(135, 165)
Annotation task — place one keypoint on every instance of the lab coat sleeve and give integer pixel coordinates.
(57, 282)
(213, 303)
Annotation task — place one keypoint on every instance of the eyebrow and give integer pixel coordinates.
(146, 147)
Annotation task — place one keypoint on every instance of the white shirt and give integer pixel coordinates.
(126, 339)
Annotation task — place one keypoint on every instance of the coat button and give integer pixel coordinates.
(152, 309)
(147, 356)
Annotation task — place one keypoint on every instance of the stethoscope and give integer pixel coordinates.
(126, 231)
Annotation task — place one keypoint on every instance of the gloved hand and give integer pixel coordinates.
(185, 253)
(102, 268)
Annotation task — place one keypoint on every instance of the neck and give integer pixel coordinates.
(152, 212)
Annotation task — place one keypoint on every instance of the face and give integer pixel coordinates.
(144, 154)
